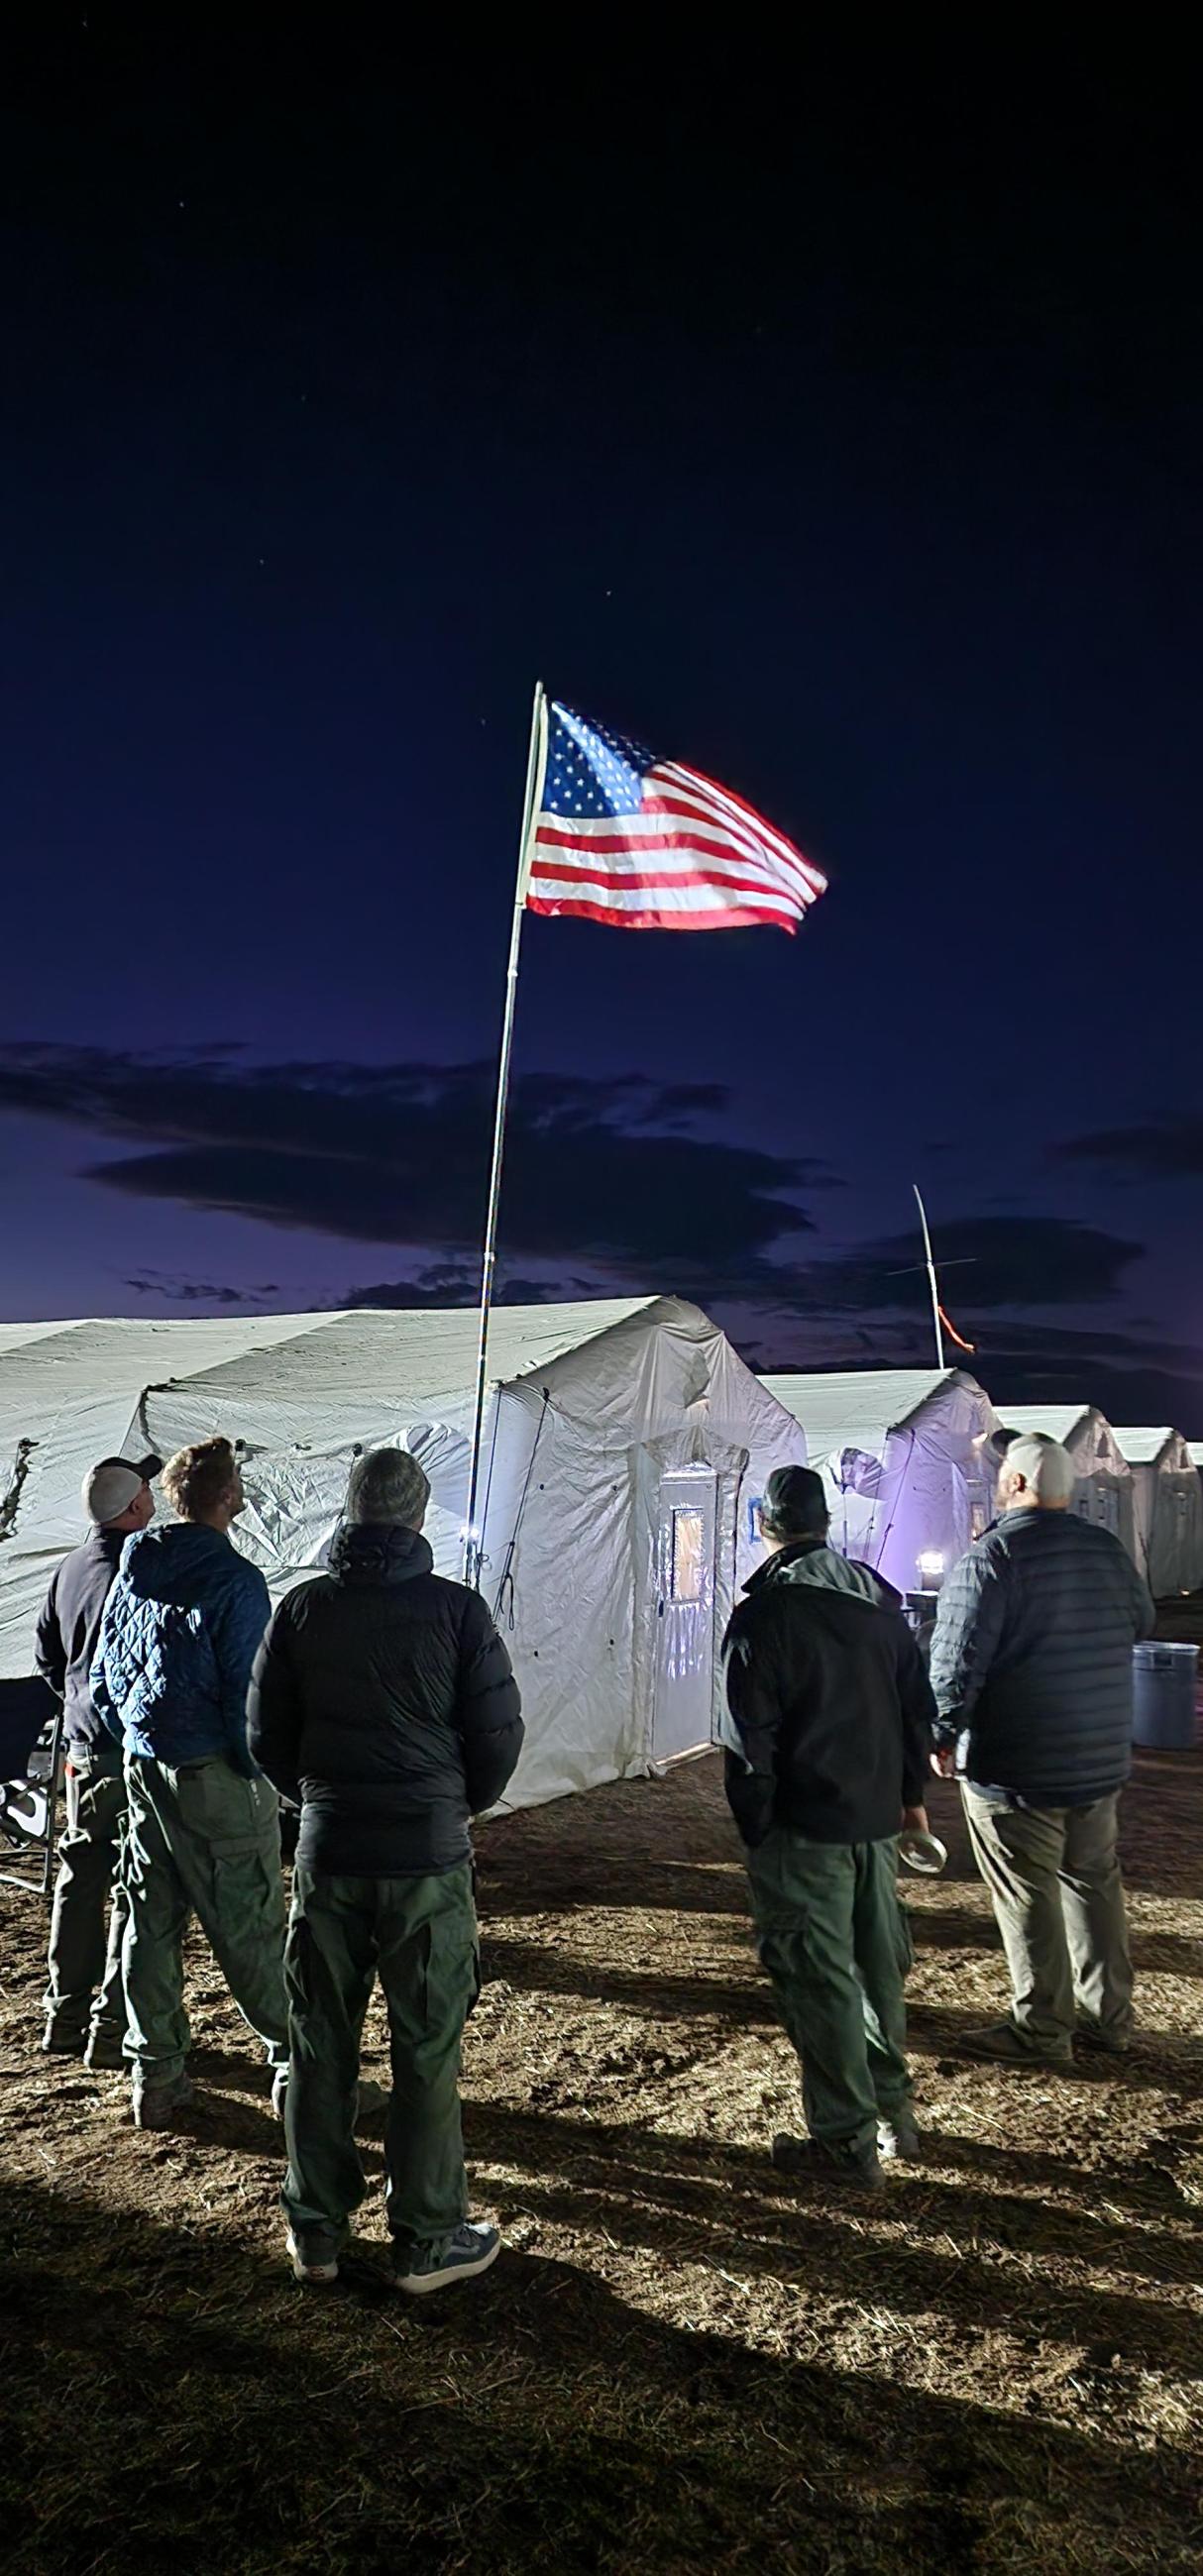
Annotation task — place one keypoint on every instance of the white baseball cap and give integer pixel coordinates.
(113, 1484)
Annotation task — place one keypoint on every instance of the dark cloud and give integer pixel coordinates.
(198, 1292)
(608, 1171)
(458, 1284)
(984, 1262)
(1165, 1149)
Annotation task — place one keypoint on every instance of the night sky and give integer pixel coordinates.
(830, 423)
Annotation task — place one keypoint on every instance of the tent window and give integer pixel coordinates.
(687, 1556)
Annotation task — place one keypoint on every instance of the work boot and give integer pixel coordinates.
(66, 2043)
(816, 2160)
(158, 2106)
(421, 2269)
(314, 2253)
(1001, 2044)
(898, 2139)
(104, 2052)
(1101, 2041)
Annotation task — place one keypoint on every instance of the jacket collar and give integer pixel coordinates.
(370, 1553)
(781, 1558)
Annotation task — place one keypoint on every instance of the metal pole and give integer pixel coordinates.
(931, 1277)
(535, 767)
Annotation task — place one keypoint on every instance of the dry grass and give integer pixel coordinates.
(681, 2362)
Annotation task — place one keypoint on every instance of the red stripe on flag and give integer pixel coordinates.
(646, 878)
(737, 918)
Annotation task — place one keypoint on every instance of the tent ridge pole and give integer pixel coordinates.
(535, 767)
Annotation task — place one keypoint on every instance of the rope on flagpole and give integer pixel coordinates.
(535, 767)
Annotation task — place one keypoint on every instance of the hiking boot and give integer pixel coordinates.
(815, 2160)
(1001, 2044)
(314, 2253)
(421, 2269)
(71, 2043)
(104, 2053)
(1104, 2043)
(158, 2106)
(898, 2139)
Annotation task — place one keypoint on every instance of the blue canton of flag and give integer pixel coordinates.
(651, 845)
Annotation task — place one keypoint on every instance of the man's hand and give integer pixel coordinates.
(914, 1820)
(944, 1763)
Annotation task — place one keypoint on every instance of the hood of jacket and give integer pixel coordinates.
(167, 1561)
(820, 1568)
(367, 1554)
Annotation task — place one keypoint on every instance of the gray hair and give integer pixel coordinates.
(387, 1485)
(1047, 1469)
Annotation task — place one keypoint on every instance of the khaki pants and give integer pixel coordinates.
(1054, 1880)
(84, 1990)
(832, 1937)
(204, 1841)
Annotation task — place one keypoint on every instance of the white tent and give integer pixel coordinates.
(623, 1442)
(1104, 1494)
(906, 1457)
(1168, 1508)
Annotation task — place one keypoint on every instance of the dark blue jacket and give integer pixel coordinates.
(178, 1638)
(68, 1630)
(1032, 1658)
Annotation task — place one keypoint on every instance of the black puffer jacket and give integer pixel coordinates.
(383, 1700)
(1031, 1662)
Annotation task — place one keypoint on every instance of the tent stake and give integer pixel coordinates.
(535, 767)
(931, 1276)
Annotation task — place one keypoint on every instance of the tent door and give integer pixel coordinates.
(685, 1612)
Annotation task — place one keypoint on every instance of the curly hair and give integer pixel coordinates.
(197, 1478)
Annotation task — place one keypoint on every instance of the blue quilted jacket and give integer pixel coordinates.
(1031, 1662)
(180, 1630)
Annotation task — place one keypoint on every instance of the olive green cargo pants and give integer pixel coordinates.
(419, 1936)
(833, 1938)
(202, 1840)
(84, 1992)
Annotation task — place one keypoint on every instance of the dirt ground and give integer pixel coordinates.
(681, 2361)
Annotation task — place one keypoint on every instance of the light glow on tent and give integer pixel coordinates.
(931, 1569)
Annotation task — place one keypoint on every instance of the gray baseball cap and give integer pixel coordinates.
(113, 1484)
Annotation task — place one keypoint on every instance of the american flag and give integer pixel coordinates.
(650, 845)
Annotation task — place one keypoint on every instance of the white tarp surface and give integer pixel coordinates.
(1168, 1508)
(906, 1456)
(590, 1403)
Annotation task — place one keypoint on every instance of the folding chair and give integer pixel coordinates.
(31, 1741)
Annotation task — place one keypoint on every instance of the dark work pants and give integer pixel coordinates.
(84, 1990)
(419, 1936)
(834, 1942)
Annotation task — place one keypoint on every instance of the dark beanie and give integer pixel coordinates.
(795, 1504)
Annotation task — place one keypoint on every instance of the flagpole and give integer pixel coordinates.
(931, 1277)
(536, 765)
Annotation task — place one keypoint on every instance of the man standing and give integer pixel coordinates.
(827, 1750)
(383, 1699)
(85, 2006)
(178, 1638)
(1032, 1671)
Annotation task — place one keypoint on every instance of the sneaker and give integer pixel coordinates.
(814, 2160)
(421, 2269)
(104, 2052)
(1106, 2043)
(1003, 2045)
(898, 2139)
(157, 2106)
(313, 2254)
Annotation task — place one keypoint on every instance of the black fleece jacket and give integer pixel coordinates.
(830, 1709)
(383, 1701)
